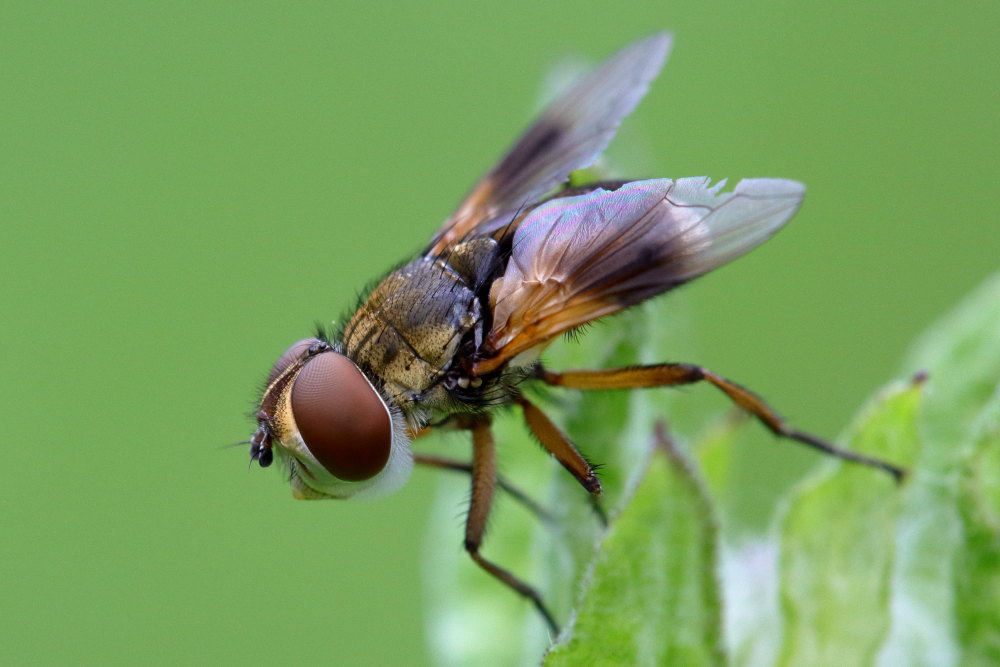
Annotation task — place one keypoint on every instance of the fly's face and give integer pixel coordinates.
(324, 418)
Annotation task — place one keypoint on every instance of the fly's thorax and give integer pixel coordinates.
(411, 327)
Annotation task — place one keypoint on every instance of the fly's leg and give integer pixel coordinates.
(517, 494)
(663, 375)
(484, 482)
(562, 448)
(559, 446)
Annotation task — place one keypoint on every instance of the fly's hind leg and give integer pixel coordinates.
(484, 482)
(663, 375)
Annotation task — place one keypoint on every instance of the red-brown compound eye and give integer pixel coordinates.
(288, 357)
(341, 418)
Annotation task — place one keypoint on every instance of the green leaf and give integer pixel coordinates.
(977, 568)
(651, 596)
(613, 428)
(856, 570)
(930, 614)
(472, 618)
(837, 544)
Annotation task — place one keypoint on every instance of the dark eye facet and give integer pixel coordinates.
(289, 356)
(341, 418)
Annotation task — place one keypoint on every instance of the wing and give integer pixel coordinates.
(569, 135)
(580, 258)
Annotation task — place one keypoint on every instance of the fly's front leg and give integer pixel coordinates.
(517, 494)
(663, 375)
(484, 482)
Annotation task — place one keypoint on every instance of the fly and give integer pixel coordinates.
(455, 333)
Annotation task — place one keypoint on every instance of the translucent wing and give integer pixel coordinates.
(569, 135)
(579, 258)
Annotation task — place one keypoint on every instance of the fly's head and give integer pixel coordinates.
(327, 422)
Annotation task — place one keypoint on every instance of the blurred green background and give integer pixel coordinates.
(186, 187)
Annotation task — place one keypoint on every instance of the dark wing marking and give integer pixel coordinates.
(576, 259)
(570, 134)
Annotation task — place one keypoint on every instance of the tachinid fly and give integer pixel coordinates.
(453, 334)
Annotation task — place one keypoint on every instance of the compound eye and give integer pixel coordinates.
(341, 418)
(289, 357)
